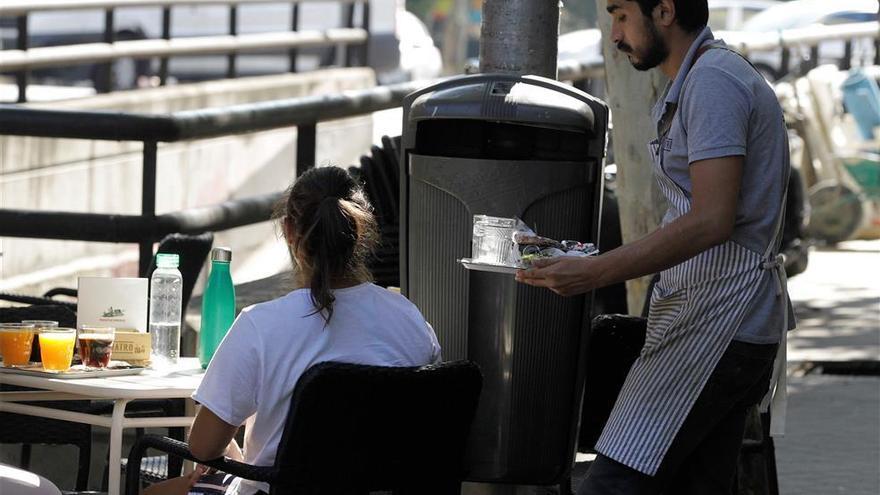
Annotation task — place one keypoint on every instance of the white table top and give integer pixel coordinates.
(179, 381)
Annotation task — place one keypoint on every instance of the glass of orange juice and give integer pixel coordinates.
(56, 348)
(15, 343)
(39, 326)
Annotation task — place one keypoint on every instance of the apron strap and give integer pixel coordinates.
(665, 122)
(776, 400)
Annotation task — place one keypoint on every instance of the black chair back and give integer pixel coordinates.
(356, 428)
(615, 344)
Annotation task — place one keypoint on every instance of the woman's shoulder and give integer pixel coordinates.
(280, 309)
(390, 296)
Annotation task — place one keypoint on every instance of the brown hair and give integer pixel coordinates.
(333, 232)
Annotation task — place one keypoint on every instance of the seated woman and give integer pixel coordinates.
(337, 315)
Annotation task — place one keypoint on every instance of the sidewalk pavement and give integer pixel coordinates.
(832, 440)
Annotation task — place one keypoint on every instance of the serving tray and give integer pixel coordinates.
(116, 368)
(470, 264)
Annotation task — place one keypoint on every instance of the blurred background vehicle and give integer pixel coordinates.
(731, 14)
(586, 44)
(804, 14)
(419, 57)
(399, 48)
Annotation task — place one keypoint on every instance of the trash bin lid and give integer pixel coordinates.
(505, 100)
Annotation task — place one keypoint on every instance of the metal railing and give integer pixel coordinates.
(147, 227)
(811, 37)
(24, 58)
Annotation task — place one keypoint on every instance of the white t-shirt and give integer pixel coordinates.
(252, 375)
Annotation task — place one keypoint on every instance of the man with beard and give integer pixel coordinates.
(719, 310)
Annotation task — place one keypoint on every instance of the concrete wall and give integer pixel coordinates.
(99, 176)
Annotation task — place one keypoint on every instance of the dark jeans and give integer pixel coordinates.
(703, 456)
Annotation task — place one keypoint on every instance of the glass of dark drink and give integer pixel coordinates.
(96, 345)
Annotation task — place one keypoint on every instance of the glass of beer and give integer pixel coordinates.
(56, 348)
(15, 343)
(96, 345)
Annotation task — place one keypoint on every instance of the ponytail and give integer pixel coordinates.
(334, 232)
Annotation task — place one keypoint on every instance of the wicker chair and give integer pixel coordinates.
(356, 428)
(29, 430)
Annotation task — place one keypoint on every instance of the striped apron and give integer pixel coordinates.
(696, 309)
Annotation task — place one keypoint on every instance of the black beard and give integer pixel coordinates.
(657, 50)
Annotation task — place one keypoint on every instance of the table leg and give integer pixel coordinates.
(115, 462)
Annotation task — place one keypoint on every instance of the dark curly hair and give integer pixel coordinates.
(333, 232)
(691, 15)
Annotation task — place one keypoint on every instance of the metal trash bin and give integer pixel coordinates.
(504, 145)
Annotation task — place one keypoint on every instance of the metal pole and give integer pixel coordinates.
(166, 35)
(877, 42)
(231, 69)
(814, 57)
(786, 62)
(520, 37)
(294, 26)
(877, 51)
(365, 51)
(21, 77)
(846, 62)
(148, 205)
(306, 141)
(105, 71)
(349, 23)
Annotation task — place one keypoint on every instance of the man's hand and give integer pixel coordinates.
(566, 275)
(709, 222)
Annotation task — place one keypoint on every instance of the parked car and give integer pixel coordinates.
(803, 14)
(419, 57)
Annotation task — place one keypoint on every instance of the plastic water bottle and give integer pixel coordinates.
(218, 305)
(166, 286)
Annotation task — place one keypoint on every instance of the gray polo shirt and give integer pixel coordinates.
(726, 108)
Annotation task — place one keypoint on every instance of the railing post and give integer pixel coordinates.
(104, 82)
(21, 77)
(294, 26)
(877, 51)
(846, 62)
(148, 206)
(349, 23)
(306, 141)
(785, 64)
(366, 26)
(166, 35)
(231, 71)
(814, 56)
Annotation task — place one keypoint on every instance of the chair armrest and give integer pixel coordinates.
(181, 449)
(61, 291)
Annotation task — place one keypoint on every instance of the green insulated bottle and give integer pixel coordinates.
(218, 305)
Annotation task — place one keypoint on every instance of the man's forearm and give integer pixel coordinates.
(667, 246)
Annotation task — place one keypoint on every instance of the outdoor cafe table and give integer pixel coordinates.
(175, 382)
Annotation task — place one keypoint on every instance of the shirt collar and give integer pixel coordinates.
(676, 85)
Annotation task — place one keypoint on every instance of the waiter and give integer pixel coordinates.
(719, 310)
